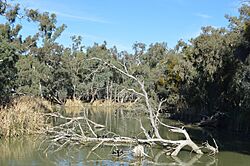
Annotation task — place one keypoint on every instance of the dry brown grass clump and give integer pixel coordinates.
(24, 116)
(103, 103)
(112, 104)
(73, 106)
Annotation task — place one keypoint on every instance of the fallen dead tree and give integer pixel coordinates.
(79, 130)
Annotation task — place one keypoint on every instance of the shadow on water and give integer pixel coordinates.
(227, 141)
(234, 149)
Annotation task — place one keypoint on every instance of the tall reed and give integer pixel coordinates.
(24, 116)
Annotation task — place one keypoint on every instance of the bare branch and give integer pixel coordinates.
(213, 150)
(90, 128)
(114, 67)
(94, 148)
(81, 129)
(138, 93)
(124, 66)
(96, 125)
(144, 130)
(159, 106)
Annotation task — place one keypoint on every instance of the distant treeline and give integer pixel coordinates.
(199, 78)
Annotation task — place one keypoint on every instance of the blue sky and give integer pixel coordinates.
(122, 23)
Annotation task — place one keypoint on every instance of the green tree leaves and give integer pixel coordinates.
(8, 71)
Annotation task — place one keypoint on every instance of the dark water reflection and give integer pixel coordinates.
(234, 149)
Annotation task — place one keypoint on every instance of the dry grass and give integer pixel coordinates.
(24, 116)
(110, 103)
(77, 106)
(103, 103)
(73, 106)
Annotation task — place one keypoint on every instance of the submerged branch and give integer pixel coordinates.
(62, 135)
(144, 130)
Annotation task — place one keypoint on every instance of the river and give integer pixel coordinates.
(32, 151)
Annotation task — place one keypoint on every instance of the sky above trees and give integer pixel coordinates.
(123, 23)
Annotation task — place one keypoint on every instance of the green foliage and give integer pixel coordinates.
(8, 71)
(47, 24)
(31, 75)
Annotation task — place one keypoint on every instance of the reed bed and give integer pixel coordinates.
(23, 116)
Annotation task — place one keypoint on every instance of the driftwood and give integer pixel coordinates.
(211, 121)
(213, 150)
(79, 130)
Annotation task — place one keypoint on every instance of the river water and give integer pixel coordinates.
(32, 151)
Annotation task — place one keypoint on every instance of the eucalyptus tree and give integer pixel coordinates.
(239, 92)
(8, 71)
(40, 66)
(100, 79)
(10, 42)
(74, 62)
(210, 72)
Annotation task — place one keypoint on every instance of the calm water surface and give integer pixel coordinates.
(26, 151)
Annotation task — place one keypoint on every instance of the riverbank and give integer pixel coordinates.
(25, 114)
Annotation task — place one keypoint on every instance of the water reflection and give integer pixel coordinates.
(30, 151)
(25, 152)
(22, 151)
